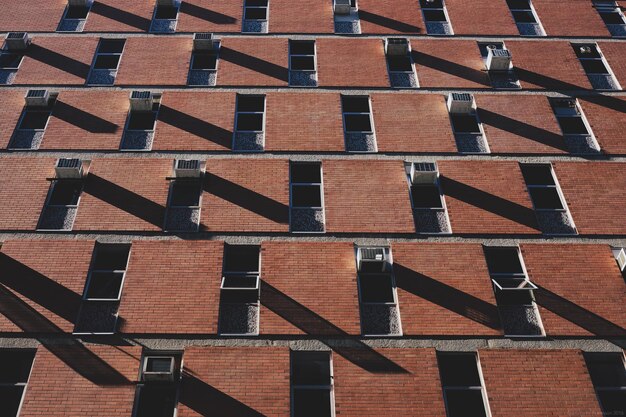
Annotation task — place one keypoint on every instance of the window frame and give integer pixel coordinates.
(413, 72)
(314, 55)
(28, 109)
(7, 52)
(178, 371)
(320, 184)
(293, 387)
(444, 9)
(53, 185)
(170, 193)
(98, 53)
(92, 270)
(154, 18)
(244, 19)
(611, 388)
(603, 7)
(157, 104)
(482, 387)
(578, 113)
(238, 112)
(20, 384)
(555, 186)
(349, 113)
(216, 53)
(65, 18)
(533, 11)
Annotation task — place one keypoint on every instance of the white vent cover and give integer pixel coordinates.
(37, 98)
(69, 168)
(205, 42)
(460, 103)
(158, 368)
(188, 168)
(141, 100)
(397, 46)
(620, 257)
(17, 41)
(372, 259)
(424, 173)
(498, 59)
(342, 6)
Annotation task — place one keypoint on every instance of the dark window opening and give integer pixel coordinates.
(426, 196)
(524, 16)
(185, 193)
(141, 120)
(503, 260)
(111, 257)
(111, 46)
(311, 381)
(306, 173)
(399, 63)
(612, 18)
(573, 126)
(355, 104)
(546, 198)
(204, 61)
(303, 63)
(376, 288)
(10, 60)
(65, 193)
(256, 13)
(249, 121)
(431, 4)
(514, 297)
(435, 15)
(537, 174)
(35, 119)
(106, 62)
(77, 12)
(250, 103)
(518, 4)
(594, 66)
(462, 387)
(306, 196)
(465, 123)
(358, 123)
(302, 47)
(241, 258)
(104, 285)
(166, 12)
(156, 400)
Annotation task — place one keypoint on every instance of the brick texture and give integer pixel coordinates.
(483, 17)
(615, 55)
(314, 16)
(391, 17)
(593, 192)
(453, 63)
(487, 197)
(155, 61)
(304, 122)
(366, 196)
(10, 112)
(209, 16)
(120, 16)
(153, 299)
(253, 62)
(246, 196)
(124, 194)
(351, 63)
(412, 123)
(55, 60)
(569, 303)
(233, 381)
(454, 297)
(605, 114)
(538, 383)
(295, 275)
(520, 124)
(572, 18)
(34, 16)
(42, 284)
(80, 380)
(195, 121)
(406, 380)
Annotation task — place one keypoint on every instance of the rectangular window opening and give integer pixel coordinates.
(462, 385)
(16, 365)
(311, 384)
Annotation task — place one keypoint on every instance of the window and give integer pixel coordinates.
(526, 18)
(106, 61)
(429, 210)
(380, 315)
(612, 16)
(542, 187)
(16, 366)
(436, 17)
(103, 289)
(183, 208)
(400, 63)
(203, 67)
(311, 384)
(514, 292)
(574, 126)
(165, 17)
(346, 14)
(302, 64)
(157, 393)
(462, 385)
(595, 66)
(140, 125)
(468, 131)
(9, 64)
(306, 190)
(249, 123)
(61, 205)
(358, 124)
(608, 374)
(32, 125)
(74, 18)
(498, 61)
(255, 16)
(239, 299)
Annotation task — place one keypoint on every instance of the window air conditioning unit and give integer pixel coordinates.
(424, 173)
(460, 103)
(69, 168)
(372, 259)
(188, 168)
(158, 368)
(204, 42)
(620, 257)
(397, 46)
(342, 6)
(141, 100)
(498, 59)
(17, 41)
(37, 98)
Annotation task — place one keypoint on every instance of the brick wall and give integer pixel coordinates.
(34, 16)
(253, 61)
(209, 16)
(120, 16)
(572, 18)
(487, 197)
(315, 16)
(538, 383)
(366, 196)
(309, 288)
(10, 111)
(445, 289)
(153, 299)
(235, 381)
(605, 114)
(483, 17)
(80, 380)
(391, 17)
(615, 55)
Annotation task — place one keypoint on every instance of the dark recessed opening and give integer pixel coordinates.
(426, 196)
(66, 193)
(185, 193)
(306, 196)
(546, 198)
(464, 123)
(376, 288)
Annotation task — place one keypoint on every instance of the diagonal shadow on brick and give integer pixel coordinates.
(82, 119)
(245, 198)
(195, 126)
(255, 64)
(57, 60)
(312, 324)
(208, 401)
(489, 202)
(388, 23)
(450, 67)
(447, 297)
(206, 14)
(121, 16)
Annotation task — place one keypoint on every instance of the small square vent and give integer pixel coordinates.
(158, 368)
(372, 259)
(342, 7)
(424, 173)
(397, 46)
(37, 98)
(141, 100)
(460, 103)
(205, 42)
(17, 41)
(498, 59)
(188, 168)
(69, 168)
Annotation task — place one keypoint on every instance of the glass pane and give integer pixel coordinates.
(458, 370)
(465, 403)
(158, 364)
(524, 17)
(305, 173)
(105, 285)
(256, 3)
(256, 13)
(141, 120)
(249, 121)
(250, 103)
(613, 402)
(606, 369)
(435, 3)
(35, 119)
(166, 12)
(516, 298)
(240, 296)
(10, 398)
(111, 256)
(537, 174)
(503, 260)
(546, 198)
(10, 60)
(310, 368)
(241, 258)
(156, 400)
(573, 126)
(306, 196)
(204, 62)
(66, 193)
(426, 196)
(355, 104)
(240, 281)
(594, 66)
(15, 365)
(311, 403)
(106, 62)
(302, 63)
(465, 123)
(358, 123)
(376, 288)
(76, 12)
(302, 47)
(518, 4)
(434, 15)
(111, 46)
(399, 63)
(185, 193)
(612, 18)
